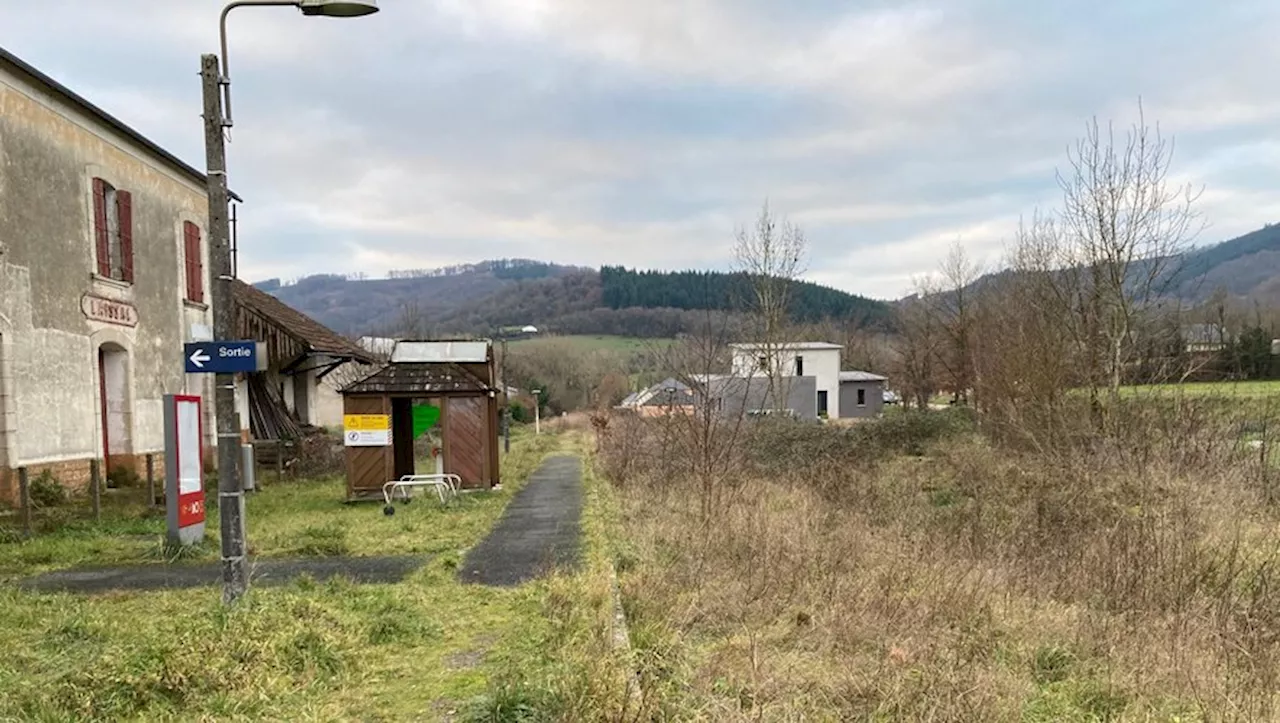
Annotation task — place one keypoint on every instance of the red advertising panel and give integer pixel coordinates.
(189, 460)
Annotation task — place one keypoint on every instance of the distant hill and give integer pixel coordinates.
(1247, 268)
(374, 306)
(476, 298)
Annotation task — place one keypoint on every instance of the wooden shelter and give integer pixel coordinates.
(456, 376)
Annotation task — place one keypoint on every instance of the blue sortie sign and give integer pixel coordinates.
(222, 357)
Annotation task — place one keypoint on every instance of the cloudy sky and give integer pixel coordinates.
(642, 133)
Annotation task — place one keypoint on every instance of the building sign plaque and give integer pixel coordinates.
(109, 311)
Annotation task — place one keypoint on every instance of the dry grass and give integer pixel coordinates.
(927, 575)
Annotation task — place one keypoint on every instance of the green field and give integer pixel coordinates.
(590, 343)
(428, 648)
(1246, 390)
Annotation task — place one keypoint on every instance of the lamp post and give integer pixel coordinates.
(506, 402)
(216, 82)
(537, 411)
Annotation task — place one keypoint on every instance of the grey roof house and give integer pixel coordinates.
(861, 394)
(733, 396)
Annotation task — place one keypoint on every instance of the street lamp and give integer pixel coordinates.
(506, 402)
(216, 80)
(537, 411)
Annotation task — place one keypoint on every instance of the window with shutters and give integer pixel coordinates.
(113, 231)
(193, 256)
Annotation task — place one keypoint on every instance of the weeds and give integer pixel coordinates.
(122, 476)
(47, 490)
(914, 569)
(306, 651)
(328, 540)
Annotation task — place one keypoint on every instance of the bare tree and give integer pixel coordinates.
(917, 346)
(351, 372)
(710, 435)
(1126, 226)
(954, 305)
(1028, 355)
(770, 254)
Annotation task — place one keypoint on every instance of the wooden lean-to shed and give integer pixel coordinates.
(456, 377)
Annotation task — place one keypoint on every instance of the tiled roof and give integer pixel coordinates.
(307, 332)
(420, 378)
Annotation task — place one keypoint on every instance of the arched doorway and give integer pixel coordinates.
(113, 389)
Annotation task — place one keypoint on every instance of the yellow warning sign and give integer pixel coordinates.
(366, 430)
(366, 422)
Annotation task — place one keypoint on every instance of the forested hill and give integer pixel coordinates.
(623, 288)
(477, 298)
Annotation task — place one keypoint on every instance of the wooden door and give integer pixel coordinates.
(466, 444)
(368, 467)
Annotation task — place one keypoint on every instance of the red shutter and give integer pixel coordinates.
(197, 262)
(101, 244)
(124, 210)
(194, 263)
(186, 257)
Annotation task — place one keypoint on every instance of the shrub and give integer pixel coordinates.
(46, 490)
(122, 476)
(319, 454)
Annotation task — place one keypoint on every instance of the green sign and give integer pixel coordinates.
(425, 417)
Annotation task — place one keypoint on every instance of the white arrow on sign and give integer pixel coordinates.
(198, 357)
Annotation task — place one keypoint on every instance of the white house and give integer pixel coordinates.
(820, 360)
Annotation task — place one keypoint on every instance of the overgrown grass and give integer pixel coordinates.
(429, 648)
(913, 570)
(569, 666)
(286, 519)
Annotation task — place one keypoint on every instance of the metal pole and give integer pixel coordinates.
(506, 403)
(95, 490)
(537, 411)
(151, 480)
(24, 500)
(230, 493)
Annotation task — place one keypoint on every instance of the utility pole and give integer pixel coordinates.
(230, 492)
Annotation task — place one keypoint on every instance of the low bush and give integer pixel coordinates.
(46, 490)
(121, 476)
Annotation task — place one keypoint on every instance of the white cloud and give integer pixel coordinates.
(611, 131)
